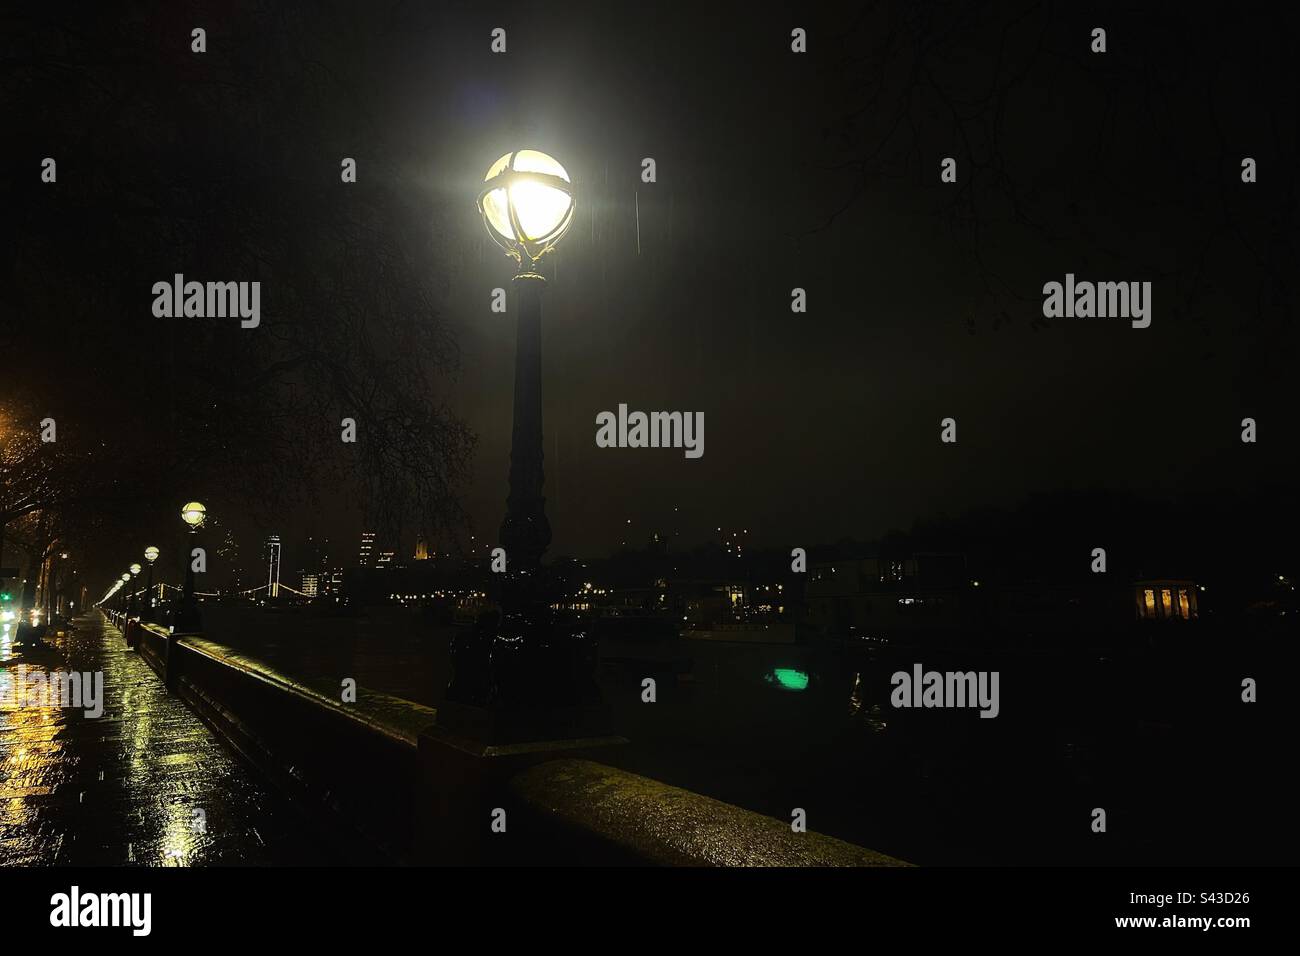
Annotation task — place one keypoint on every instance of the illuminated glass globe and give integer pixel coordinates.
(193, 514)
(527, 203)
(135, 569)
(151, 555)
(124, 578)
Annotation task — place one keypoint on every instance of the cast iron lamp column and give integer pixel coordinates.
(525, 532)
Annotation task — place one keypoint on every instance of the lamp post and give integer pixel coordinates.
(121, 602)
(527, 205)
(150, 556)
(129, 625)
(59, 579)
(525, 672)
(186, 619)
(49, 596)
(135, 570)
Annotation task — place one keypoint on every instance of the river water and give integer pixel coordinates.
(1152, 740)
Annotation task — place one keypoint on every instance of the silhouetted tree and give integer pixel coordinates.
(222, 166)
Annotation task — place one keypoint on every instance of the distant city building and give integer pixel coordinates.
(273, 566)
(318, 555)
(385, 558)
(329, 583)
(1166, 599)
(367, 547)
(310, 584)
(889, 594)
(421, 550)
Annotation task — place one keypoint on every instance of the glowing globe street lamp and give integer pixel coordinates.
(193, 514)
(186, 618)
(135, 570)
(527, 205)
(150, 556)
(523, 672)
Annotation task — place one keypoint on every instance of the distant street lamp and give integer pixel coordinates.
(150, 556)
(193, 514)
(53, 588)
(135, 570)
(186, 618)
(526, 660)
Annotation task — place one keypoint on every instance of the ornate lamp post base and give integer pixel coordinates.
(525, 672)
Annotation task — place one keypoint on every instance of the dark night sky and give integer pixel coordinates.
(826, 424)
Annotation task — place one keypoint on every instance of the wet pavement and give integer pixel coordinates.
(144, 783)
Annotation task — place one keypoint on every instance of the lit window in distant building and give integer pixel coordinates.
(1167, 602)
(1184, 608)
(1150, 596)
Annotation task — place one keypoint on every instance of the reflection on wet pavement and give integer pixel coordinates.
(146, 783)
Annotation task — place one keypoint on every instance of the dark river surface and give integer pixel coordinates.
(1186, 772)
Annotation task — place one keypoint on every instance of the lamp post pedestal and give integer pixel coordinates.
(538, 683)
